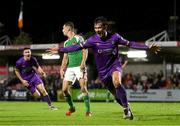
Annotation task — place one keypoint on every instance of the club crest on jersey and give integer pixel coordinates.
(100, 50)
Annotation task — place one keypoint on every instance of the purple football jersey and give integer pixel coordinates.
(28, 73)
(26, 67)
(106, 52)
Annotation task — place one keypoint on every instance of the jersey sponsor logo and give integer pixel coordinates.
(27, 70)
(106, 51)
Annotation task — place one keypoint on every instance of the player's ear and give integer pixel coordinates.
(69, 29)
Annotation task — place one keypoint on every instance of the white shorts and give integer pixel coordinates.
(74, 73)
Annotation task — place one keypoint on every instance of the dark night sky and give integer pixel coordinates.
(43, 19)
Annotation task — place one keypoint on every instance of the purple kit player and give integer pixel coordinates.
(25, 71)
(105, 49)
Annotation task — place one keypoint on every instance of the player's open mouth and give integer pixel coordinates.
(28, 55)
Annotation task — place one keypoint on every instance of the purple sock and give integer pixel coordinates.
(121, 94)
(119, 101)
(47, 99)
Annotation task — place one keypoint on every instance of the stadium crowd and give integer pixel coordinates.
(145, 81)
(138, 81)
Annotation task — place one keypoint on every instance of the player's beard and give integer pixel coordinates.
(102, 34)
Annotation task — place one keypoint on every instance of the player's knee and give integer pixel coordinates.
(116, 83)
(65, 92)
(84, 90)
(43, 92)
(36, 95)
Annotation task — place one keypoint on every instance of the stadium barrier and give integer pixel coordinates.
(15, 95)
(95, 95)
(163, 95)
(159, 95)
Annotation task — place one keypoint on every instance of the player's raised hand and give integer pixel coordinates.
(52, 51)
(154, 48)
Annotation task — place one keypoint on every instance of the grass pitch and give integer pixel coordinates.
(37, 113)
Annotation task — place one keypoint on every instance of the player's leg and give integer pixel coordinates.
(68, 80)
(121, 94)
(45, 96)
(67, 95)
(35, 87)
(83, 85)
(82, 77)
(112, 90)
(38, 85)
(35, 93)
(33, 90)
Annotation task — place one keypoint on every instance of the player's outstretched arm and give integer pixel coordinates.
(71, 48)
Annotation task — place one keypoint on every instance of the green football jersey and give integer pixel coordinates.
(74, 58)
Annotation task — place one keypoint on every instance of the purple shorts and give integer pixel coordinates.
(33, 82)
(106, 77)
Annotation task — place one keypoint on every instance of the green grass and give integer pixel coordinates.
(37, 113)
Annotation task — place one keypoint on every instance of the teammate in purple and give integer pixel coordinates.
(25, 71)
(106, 53)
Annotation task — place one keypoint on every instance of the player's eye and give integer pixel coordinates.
(27, 52)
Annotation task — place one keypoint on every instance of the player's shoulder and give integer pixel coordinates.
(19, 61)
(65, 42)
(116, 34)
(79, 38)
(33, 58)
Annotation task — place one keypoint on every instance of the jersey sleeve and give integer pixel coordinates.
(89, 43)
(131, 44)
(121, 40)
(86, 44)
(18, 65)
(79, 39)
(35, 62)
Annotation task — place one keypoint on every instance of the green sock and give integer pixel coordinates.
(87, 103)
(69, 100)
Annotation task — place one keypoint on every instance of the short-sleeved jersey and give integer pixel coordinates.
(74, 58)
(26, 67)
